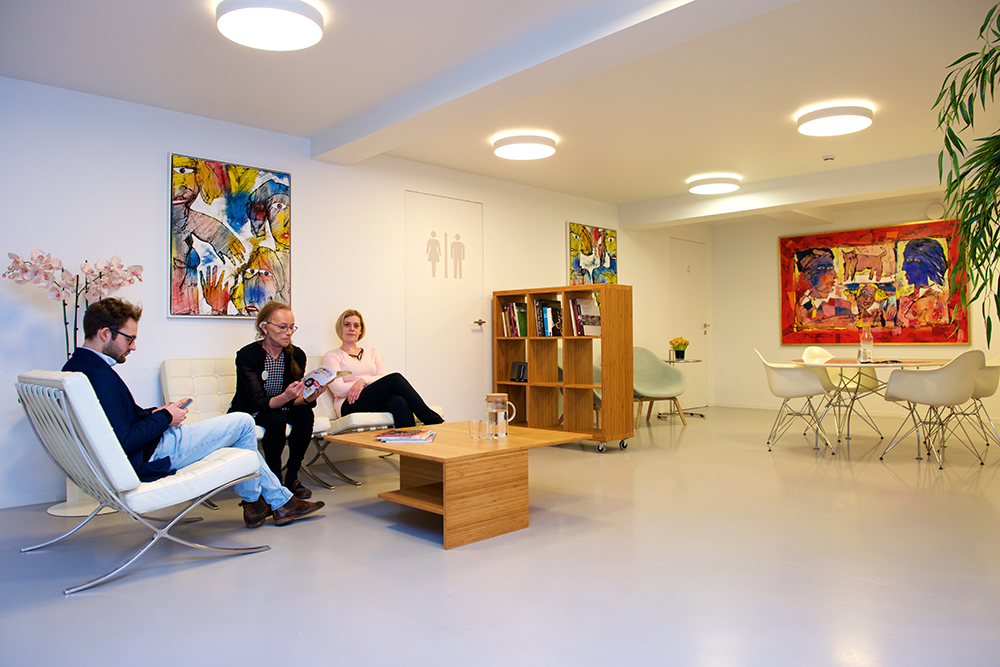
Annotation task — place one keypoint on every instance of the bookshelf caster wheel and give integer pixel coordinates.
(601, 446)
(623, 444)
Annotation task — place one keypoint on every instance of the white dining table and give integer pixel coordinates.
(843, 422)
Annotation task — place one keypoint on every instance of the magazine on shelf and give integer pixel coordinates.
(319, 378)
(406, 435)
(586, 317)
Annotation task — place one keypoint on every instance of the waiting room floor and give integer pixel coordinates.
(693, 547)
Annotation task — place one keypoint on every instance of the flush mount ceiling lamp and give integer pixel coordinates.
(270, 25)
(524, 147)
(833, 121)
(713, 184)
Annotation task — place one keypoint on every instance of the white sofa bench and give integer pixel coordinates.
(211, 384)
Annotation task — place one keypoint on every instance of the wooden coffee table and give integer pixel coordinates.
(480, 487)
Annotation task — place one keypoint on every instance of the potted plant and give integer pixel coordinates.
(678, 345)
(973, 178)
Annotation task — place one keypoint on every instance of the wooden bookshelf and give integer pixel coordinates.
(565, 364)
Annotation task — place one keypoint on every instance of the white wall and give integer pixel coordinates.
(746, 307)
(88, 177)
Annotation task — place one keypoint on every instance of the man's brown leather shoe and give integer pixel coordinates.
(294, 509)
(255, 513)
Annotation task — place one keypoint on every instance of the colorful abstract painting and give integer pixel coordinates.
(894, 278)
(230, 238)
(593, 255)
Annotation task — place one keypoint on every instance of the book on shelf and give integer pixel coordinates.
(406, 435)
(548, 317)
(515, 319)
(586, 314)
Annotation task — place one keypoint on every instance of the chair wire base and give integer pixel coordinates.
(157, 534)
(786, 417)
(937, 425)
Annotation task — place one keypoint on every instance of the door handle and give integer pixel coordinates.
(479, 322)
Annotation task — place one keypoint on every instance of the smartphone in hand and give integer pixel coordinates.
(185, 403)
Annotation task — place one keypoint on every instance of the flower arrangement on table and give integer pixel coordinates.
(678, 345)
(91, 284)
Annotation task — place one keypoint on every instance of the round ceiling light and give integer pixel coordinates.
(719, 184)
(524, 147)
(270, 25)
(834, 121)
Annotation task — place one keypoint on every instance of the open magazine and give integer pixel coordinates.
(318, 379)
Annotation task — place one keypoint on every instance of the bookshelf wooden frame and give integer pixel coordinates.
(537, 400)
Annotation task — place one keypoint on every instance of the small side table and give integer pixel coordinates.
(686, 411)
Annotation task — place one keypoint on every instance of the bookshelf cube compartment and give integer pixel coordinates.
(578, 361)
(543, 407)
(578, 409)
(543, 360)
(508, 352)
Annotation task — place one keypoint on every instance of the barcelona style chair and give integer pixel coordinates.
(70, 424)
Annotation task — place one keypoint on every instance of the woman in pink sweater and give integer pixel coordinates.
(370, 387)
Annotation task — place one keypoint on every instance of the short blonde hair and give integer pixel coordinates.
(343, 316)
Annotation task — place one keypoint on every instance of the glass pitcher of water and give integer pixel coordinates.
(499, 412)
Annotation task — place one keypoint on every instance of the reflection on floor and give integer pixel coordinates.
(692, 547)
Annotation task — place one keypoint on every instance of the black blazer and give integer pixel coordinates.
(138, 430)
(250, 396)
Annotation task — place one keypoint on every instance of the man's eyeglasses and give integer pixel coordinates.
(131, 339)
(291, 328)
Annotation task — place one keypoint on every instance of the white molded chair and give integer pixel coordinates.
(987, 381)
(655, 380)
(942, 390)
(788, 381)
(67, 418)
(844, 391)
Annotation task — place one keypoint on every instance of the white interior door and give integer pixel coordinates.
(689, 295)
(446, 350)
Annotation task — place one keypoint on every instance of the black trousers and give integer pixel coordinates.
(394, 394)
(273, 422)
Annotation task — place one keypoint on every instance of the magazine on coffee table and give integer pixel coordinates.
(406, 435)
(319, 378)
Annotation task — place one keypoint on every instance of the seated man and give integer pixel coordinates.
(154, 440)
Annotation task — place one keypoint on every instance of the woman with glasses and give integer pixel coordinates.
(269, 386)
(370, 387)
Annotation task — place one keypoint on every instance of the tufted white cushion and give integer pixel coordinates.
(91, 424)
(217, 469)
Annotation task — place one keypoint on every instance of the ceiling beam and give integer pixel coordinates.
(612, 34)
(794, 197)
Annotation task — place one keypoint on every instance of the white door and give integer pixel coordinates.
(446, 350)
(689, 295)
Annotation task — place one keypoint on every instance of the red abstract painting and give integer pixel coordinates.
(896, 279)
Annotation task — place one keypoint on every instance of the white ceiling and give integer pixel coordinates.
(642, 94)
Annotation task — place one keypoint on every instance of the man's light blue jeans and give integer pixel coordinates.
(188, 443)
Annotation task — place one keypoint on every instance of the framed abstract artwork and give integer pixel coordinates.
(230, 238)
(894, 278)
(593, 255)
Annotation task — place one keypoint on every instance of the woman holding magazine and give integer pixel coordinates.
(269, 386)
(370, 387)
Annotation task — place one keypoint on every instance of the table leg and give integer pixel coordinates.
(485, 497)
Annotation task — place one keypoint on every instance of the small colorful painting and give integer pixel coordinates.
(894, 278)
(593, 255)
(230, 238)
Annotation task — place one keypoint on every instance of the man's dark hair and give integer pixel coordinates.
(112, 313)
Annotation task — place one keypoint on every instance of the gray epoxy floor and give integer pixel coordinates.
(694, 546)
